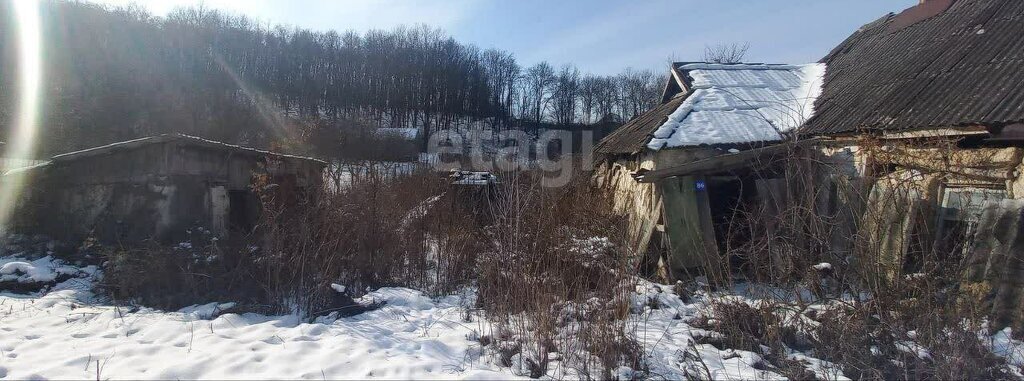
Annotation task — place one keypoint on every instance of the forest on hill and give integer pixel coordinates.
(115, 73)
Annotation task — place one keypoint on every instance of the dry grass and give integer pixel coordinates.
(364, 236)
(202, 271)
(882, 323)
(555, 278)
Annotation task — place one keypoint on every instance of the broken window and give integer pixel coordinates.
(959, 212)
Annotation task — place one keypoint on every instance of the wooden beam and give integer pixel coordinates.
(936, 132)
(720, 163)
(680, 80)
(673, 78)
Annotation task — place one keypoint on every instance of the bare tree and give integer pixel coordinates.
(726, 53)
(566, 95)
(637, 92)
(588, 97)
(540, 79)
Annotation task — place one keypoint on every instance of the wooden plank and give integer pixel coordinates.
(936, 132)
(688, 226)
(723, 162)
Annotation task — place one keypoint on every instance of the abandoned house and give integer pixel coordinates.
(925, 108)
(678, 170)
(154, 187)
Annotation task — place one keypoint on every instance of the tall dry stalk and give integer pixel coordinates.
(557, 278)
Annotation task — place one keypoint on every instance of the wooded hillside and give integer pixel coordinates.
(116, 73)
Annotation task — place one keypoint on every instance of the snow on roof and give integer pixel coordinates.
(740, 103)
(473, 177)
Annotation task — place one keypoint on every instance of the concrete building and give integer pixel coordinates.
(154, 187)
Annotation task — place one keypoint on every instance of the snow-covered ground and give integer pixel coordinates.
(68, 332)
(62, 335)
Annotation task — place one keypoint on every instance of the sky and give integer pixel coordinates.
(598, 36)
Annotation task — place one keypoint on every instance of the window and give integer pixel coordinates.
(959, 213)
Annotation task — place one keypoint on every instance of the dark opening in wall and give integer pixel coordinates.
(243, 210)
(726, 196)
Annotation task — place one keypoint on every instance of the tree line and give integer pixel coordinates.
(115, 73)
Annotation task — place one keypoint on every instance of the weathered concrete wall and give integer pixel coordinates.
(154, 191)
(124, 212)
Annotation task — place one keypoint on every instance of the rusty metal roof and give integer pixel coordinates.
(927, 68)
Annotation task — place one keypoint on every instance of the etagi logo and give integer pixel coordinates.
(551, 152)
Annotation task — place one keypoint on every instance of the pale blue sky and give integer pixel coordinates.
(599, 36)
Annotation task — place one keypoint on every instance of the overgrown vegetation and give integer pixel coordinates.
(556, 279)
(860, 276)
(556, 285)
(361, 235)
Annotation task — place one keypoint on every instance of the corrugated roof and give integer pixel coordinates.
(962, 66)
(726, 104)
(740, 104)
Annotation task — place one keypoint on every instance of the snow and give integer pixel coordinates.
(404, 133)
(60, 335)
(418, 212)
(822, 369)
(1004, 345)
(741, 103)
(338, 288)
(672, 344)
(42, 270)
(822, 266)
(473, 177)
(206, 311)
(72, 333)
(912, 348)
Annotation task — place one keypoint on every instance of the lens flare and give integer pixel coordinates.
(21, 144)
(271, 115)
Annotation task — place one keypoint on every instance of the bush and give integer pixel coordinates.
(197, 270)
(370, 234)
(367, 235)
(554, 277)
